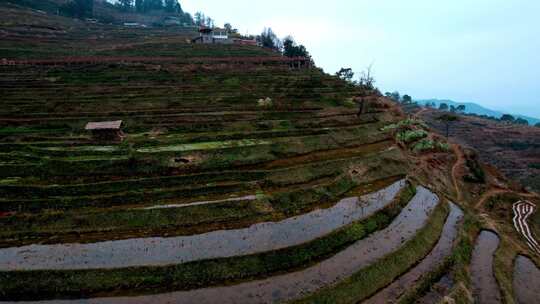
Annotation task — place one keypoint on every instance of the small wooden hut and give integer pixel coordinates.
(106, 130)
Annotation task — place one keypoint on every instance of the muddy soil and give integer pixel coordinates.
(438, 291)
(526, 281)
(298, 284)
(485, 287)
(442, 249)
(258, 238)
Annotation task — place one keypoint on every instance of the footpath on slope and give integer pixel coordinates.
(258, 238)
(442, 250)
(298, 284)
(460, 162)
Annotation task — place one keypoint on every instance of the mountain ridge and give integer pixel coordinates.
(474, 108)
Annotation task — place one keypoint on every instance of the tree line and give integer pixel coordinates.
(444, 107)
(288, 46)
(506, 118)
(366, 79)
(144, 6)
(85, 8)
(396, 96)
(78, 8)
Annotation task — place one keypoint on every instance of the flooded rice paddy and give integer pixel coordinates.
(443, 249)
(526, 281)
(258, 238)
(485, 288)
(301, 283)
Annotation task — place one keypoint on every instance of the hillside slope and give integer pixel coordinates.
(513, 149)
(242, 177)
(473, 108)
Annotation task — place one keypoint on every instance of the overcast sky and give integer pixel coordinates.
(484, 51)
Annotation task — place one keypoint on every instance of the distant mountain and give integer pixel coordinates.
(474, 108)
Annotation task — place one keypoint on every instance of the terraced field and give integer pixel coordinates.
(213, 196)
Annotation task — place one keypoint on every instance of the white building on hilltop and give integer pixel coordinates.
(212, 36)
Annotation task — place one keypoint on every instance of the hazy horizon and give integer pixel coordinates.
(484, 52)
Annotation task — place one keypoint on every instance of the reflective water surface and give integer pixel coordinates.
(442, 249)
(485, 288)
(216, 244)
(526, 281)
(298, 284)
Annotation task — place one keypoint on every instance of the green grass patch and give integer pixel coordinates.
(28, 130)
(534, 166)
(206, 146)
(409, 136)
(409, 124)
(425, 145)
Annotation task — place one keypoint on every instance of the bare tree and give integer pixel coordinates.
(367, 80)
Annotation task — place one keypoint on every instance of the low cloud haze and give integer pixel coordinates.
(486, 51)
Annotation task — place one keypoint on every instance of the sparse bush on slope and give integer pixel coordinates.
(413, 134)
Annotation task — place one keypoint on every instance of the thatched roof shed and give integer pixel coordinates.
(106, 130)
(104, 125)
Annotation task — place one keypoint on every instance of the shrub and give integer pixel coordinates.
(443, 146)
(407, 124)
(477, 174)
(424, 145)
(265, 103)
(534, 166)
(430, 145)
(411, 136)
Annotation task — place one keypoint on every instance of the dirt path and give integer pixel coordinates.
(485, 287)
(418, 114)
(460, 162)
(443, 249)
(261, 237)
(497, 191)
(489, 194)
(526, 281)
(298, 284)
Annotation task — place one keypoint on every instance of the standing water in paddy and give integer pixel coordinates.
(295, 285)
(485, 286)
(217, 244)
(441, 251)
(526, 281)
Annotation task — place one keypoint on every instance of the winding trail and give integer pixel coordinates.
(526, 281)
(497, 191)
(460, 162)
(298, 284)
(261, 237)
(443, 249)
(485, 287)
(522, 211)
(489, 194)
(418, 115)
